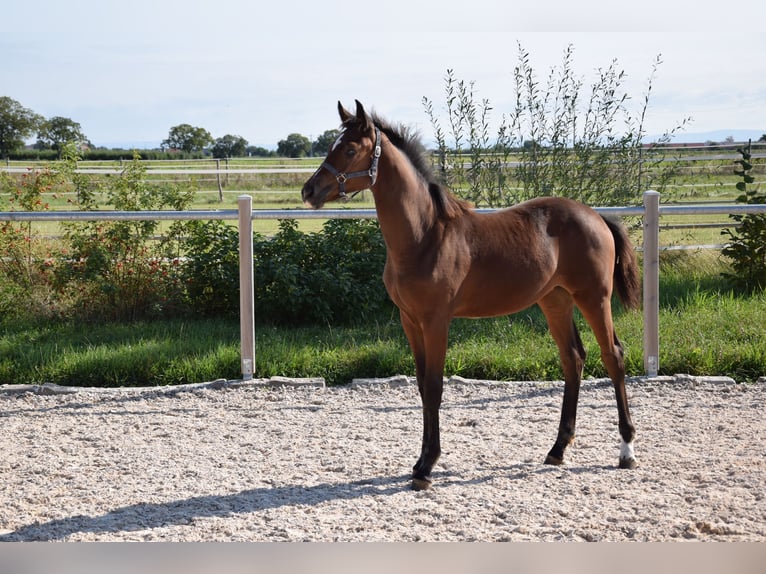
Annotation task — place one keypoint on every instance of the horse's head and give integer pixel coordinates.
(351, 164)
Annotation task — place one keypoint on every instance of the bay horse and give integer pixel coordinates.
(445, 260)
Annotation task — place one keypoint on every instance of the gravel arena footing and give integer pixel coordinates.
(283, 460)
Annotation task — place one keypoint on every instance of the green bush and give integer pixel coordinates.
(26, 269)
(747, 249)
(211, 269)
(332, 276)
(116, 269)
(329, 277)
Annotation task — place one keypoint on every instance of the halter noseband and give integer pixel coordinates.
(372, 173)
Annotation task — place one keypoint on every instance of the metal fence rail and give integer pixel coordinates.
(650, 211)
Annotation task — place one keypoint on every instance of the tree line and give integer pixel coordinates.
(19, 124)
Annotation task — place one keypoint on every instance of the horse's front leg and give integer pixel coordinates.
(431, 446)
(430, 385)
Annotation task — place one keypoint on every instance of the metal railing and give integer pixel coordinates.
(650, 211)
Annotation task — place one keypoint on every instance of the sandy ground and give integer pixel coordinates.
(281, 463)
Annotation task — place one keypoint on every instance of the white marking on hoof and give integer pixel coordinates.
(626, 451)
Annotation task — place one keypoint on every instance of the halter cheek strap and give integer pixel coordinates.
(372, 172)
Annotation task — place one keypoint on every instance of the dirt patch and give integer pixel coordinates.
(286, 463)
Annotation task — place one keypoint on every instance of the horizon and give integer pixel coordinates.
(715, 137)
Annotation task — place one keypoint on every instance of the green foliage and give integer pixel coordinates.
(593, 152)
(103, 154)
(747, 247)
(328, 277)
(115, 269)
(258, 151)
(333, 276)
(119, 270)
(187, 138)
(25, 264)
(229, 146)
(211, 270)
(295, 145)
(17, 123)
(56, 132)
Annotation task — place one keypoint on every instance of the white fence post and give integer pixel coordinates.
(246, 289)
(651, 283)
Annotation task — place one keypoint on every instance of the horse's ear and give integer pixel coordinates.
(362, 116)
(345, 115)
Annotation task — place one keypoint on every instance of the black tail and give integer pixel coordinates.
(626, 276)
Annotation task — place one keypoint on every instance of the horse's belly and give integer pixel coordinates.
(500, 294)
(491, 307)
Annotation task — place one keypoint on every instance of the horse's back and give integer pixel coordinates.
(543, 224)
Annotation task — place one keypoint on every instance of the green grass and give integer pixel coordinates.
(157, 353)
(705, 329)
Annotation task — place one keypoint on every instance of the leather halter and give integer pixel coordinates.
(372, 172)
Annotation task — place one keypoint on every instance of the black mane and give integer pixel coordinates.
(408, 142)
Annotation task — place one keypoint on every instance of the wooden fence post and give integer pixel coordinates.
(246, 288)
(651, 283)
(218, 178)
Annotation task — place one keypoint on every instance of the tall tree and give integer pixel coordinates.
(230, 146)
(57, 131)
(17, 123)
(188, 138)
(295, 145)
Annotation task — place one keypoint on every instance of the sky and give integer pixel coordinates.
(129, 71)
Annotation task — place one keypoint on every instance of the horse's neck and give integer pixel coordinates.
(405, 210)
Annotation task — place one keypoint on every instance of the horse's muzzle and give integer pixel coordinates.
(313, 195)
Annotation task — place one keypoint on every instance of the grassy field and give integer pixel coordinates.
(695, 181)
(704, 328)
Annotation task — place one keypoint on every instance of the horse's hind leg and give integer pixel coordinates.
(627, 430)
(558, 308)
(599, 316)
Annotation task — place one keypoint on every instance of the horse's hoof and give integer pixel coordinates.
(554, 460)
(629, 463)
(421, 483)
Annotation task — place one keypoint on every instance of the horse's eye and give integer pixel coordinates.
(351, 152)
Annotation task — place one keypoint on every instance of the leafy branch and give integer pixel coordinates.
(747, 248)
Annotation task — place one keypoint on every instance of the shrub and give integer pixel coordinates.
(332, 276)
(747, 249)
(589, 148)
(119, 270)
(26, 260)
(211, 269)
(116, 269)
